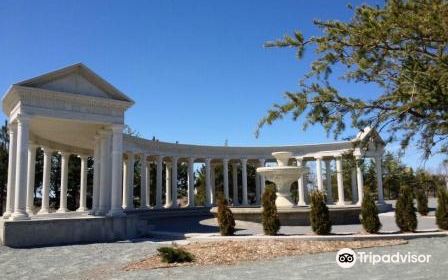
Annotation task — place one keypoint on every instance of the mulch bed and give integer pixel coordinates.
(233, 252)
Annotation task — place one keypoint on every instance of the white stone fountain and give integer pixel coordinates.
(282, 176)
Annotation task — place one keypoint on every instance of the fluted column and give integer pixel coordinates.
(208, 188)
(45, 207)
(21, 169)
(64, 183)
(11, 184)
(104, 172)
(83, 185)
(96, 175)
(340, 180)
(143, 182)
(168, 186)
(30, 178)
(320, 185)
(379, 178)
(225, 171)
(354, 186)
(213, 183)
(244, 180)
(328, 181)
(148, 184)
(261, 177)
(301, 185)
(159, 160)
(129, 195)
(360, 180)
(117, 171)
(191, 202)
(235, 184)
(174, 182)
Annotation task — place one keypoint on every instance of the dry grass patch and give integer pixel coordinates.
(232, 252)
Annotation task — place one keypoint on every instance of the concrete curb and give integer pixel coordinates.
(348, 237)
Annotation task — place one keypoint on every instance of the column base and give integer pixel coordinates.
(118, 212)
(19, 216)
(340, 203)
(62, 210)
(29, 211)
(43, 211)
(301, 203)
(144, 207)
(82, 209)
(6, 215)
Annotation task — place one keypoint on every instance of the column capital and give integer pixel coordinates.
(64, 154)
(21, 118)
(32, 146)
(318, 157)
(207, 161)
(174, 158)
(47, 150)
(225, 160)
(159, 158)
(261, 161)
(243, 160)
(103, 132)
(83, 157)
(190, 160)
(117, 128)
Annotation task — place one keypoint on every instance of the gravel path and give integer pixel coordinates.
(104, 261)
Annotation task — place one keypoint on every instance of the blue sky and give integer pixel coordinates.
(196, 69)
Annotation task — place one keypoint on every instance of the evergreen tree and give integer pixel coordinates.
(270, 219)
(369, 214)
(442, 208)
(319, 214)
(422, 202)
(405, 216)
(225, 218)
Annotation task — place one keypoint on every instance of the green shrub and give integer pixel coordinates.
(270, 219)
(225, 218)
(422, 202)
(405, 216)
(319, 214)
(442, 208)
(174, 255)
(369, 214)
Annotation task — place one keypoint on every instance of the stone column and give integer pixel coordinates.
(354, 187)
(104, 172)
(225, 171)
(261, 177)
(159, 160)
(130, 183)
(191, 182)
(208, 188)
(83, 185)
(30, 178)
(257, 187)
(45, 208)
(235, 184)
(360, 180)
(21, 169)
(117, 171)
(143, 182)
(213, 183)
(64, 183)
(301, 185)
(244, 180)
(96, 175)
(340, 179)
(11, 184)
(320, 185)
(328, 181)
(148, 184)
(124, 202)
(174, 182)
(168, 186)
(379, 178)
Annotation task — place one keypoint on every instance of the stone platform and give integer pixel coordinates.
(299, 216)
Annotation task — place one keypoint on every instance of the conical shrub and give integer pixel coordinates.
(369, 214)
(225, 218)
(319, 214)
(405, 216)
(270, 219)
(422, 202)
(442, 208)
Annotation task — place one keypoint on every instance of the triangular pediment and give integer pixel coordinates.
(76, 79)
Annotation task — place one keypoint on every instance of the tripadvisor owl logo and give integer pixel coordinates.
(346, 258)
